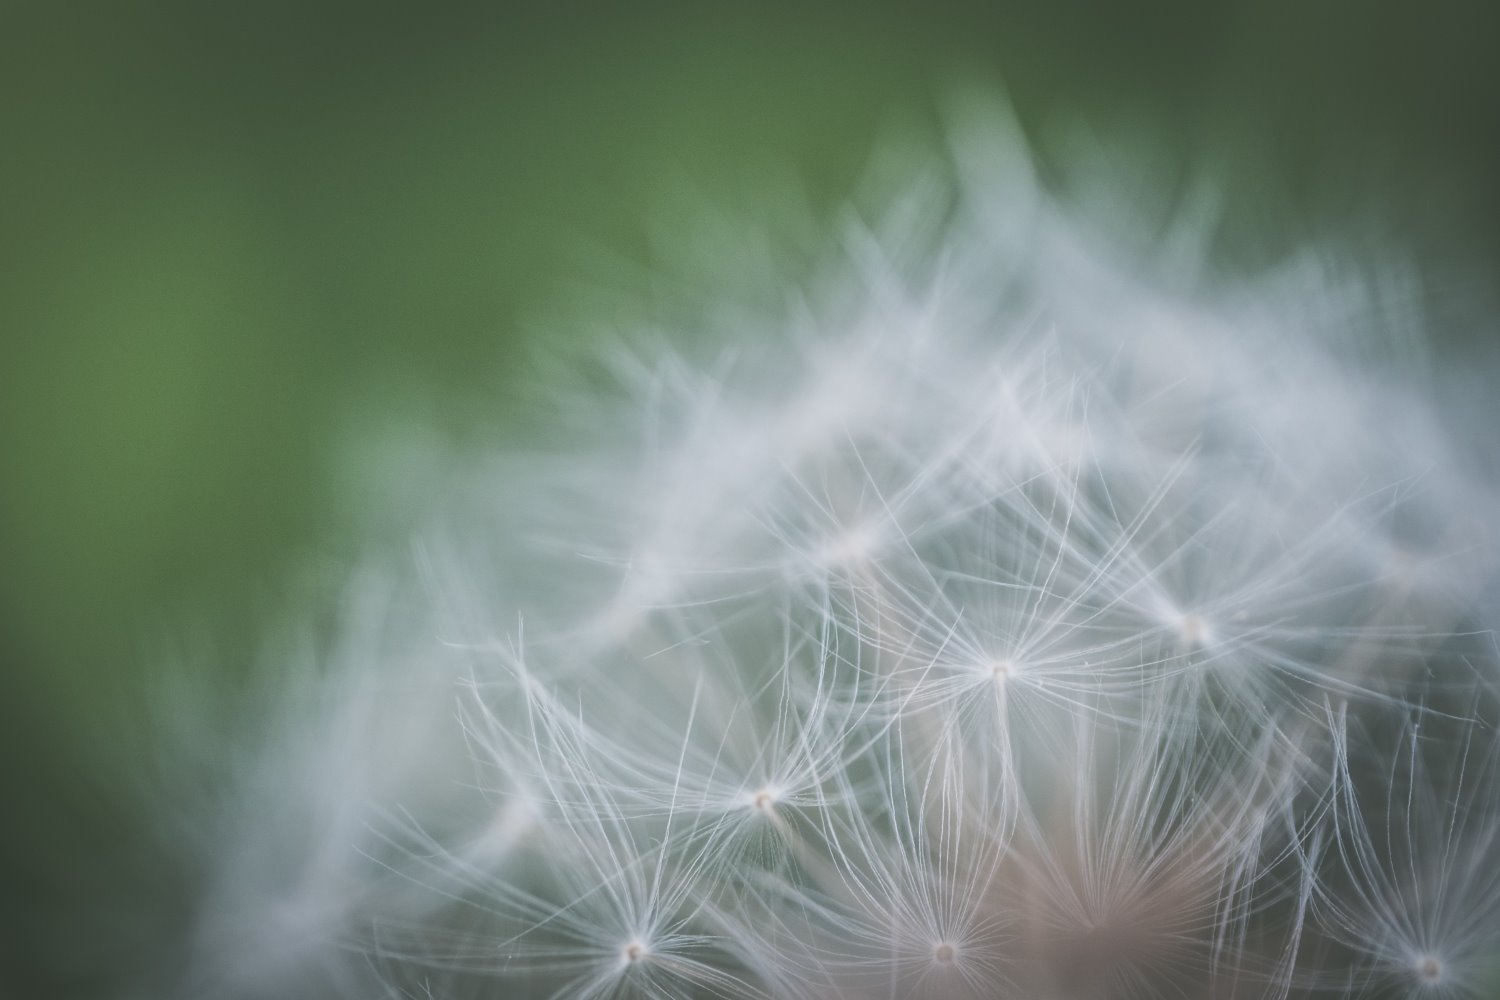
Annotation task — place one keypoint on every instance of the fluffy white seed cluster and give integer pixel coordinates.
(983, 617)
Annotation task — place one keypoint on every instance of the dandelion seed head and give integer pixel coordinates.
(945, 641)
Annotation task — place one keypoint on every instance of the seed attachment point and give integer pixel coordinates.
(763, 800)
(1428, 969)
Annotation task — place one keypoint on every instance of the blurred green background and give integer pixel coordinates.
(227, 231)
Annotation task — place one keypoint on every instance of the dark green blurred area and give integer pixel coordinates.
(224, 228)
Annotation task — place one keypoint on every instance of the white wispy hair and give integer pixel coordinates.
(264, 811)
(961, 621)
(1414, 887)
(1141, 850)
